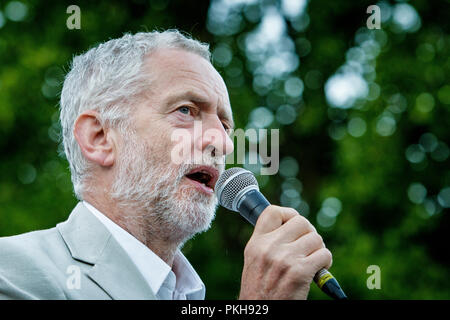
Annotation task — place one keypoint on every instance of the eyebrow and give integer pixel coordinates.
(199, 99)
(188, 95)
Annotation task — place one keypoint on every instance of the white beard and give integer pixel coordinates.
(155, 197)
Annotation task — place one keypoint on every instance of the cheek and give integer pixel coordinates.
(157, 138)
(181, 145)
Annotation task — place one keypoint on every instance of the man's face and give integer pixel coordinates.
(186, 93)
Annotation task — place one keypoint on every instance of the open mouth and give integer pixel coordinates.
(204, 177)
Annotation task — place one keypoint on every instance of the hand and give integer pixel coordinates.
(282, 256)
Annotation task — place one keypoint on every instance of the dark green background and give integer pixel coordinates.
(386, 219)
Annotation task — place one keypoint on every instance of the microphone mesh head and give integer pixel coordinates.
(229, 184)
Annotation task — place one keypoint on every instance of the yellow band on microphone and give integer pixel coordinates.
(324, 278)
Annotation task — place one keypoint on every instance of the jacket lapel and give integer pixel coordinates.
(89, 241)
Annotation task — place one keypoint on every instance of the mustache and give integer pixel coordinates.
(216, 162)
(169, 172)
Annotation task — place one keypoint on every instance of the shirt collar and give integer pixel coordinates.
(188, 281)
(151, 266)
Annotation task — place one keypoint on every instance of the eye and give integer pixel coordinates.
(225, 126)
(184, 110)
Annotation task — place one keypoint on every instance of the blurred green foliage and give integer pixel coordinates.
(364, 118)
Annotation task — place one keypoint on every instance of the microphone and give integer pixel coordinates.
(237, 190)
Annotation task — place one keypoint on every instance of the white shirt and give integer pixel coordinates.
(181, 282)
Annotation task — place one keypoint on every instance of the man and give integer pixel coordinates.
(121, 104)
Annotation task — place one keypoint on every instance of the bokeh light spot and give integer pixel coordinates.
(444, 94)
(342, 90)
(26, 173)
(417, 192)
(428, 142)
(425, 102)
(261, 117)
(222, 55)
(386, 126)
(356, 127)
(444, 197)
(16, 11)
(441, 153)
(286, 114)
(288, 167)
(414, 153)
(405, 18)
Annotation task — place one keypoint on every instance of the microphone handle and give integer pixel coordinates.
(251, 205)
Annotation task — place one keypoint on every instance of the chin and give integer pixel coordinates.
(196, 211)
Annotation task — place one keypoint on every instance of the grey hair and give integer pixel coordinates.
(109, 79)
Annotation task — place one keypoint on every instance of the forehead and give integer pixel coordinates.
(175, 71)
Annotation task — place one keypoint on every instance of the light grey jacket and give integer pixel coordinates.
(78, 259)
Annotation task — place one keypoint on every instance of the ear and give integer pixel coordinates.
(95, 141)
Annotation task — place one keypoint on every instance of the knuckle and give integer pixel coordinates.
(266, 252)
(271, 213)
(268, 213)
(313, 241)
(265, 215)
(251, 249)
(271, 209)
(319, 240)
(301, 221)
(248, 250)
(292, 211)
(284, 211)
(328, 255)
(305, 222)
(311, 227)
(316, 241)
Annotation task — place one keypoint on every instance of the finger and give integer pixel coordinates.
(273, 217)
(294, 228)
(308, 244)
(319, 259)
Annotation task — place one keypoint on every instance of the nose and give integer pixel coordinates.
(214, 137)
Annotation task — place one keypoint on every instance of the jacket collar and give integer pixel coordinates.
(89, 241)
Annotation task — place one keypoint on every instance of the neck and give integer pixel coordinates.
(140, 226)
